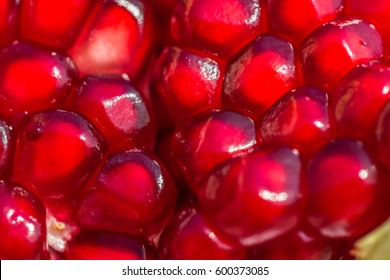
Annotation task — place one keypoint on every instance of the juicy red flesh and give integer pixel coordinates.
(301, 244)
(377, 14)
(117, 109)
(6, 146)
(8, 20)
(344, 173)
(22, 223)
(104, 246)
(32, 79)
(259, 75)
(192, 129)
(333, 49)
(114, 40)
(56, 153)
(255, 198)
(220, 28)
(188, 237)
(382, 136)
(359, 98)
(299, 119)
(294, 20)
(187, 83)
(132, 193)
(53, 23)
(209, 139)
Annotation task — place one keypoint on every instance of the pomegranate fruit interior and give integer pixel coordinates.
(178, 129)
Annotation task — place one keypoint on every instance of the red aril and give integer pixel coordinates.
(6, 149)
(54, 23)
(8, 20)
(32, 79)
(254, 198)
(56, 153)
(117, 109)
(116, 39)
(346, 190)
(301, 244)
(187, 83)
(294, 20)
(382, 136)
(132, 193)
(207, 140)
(219, 27)
(299, 119)
(22, 223)
(358, 99)
(262, 72)
(189, 237)
(104, 246)
(336, 47)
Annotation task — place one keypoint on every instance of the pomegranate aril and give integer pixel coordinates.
(254, 198)
(299, 119)
(32, 79)
(346, 190)
(377, 14)
(22, 223)
(53, 23)
(56, 153)
(208, 139)
(219, 27)
(301, 244)
(187, 83)
(358, 99)
(116, 39)
(294, 20)
(336, 47)
(382, 136)
(132, 193)
(9, 10)
(6, 149)
(259, 75)
(104, 246)
(117, 109)
(163, 152)
(188, 237)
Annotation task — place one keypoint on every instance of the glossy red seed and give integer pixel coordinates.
(163, 152)
(377, 14)
(294, 20)
(56, 153)
(255, 198)
(8, 20)
(382, 136)
(187, 83)
(117, 109)
(6, 149)
(301, 244)
(132, 194)
(346, 196)
(188, 237)
(53, 23)
(336, 47)
(116, 39)
(219, 27)
(208, 139)
(299, 119)
(22, 223)
(104, 246)
(259, 75)
(359, 98)
(32, 79)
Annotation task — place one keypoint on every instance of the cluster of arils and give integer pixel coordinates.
(177, 129)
